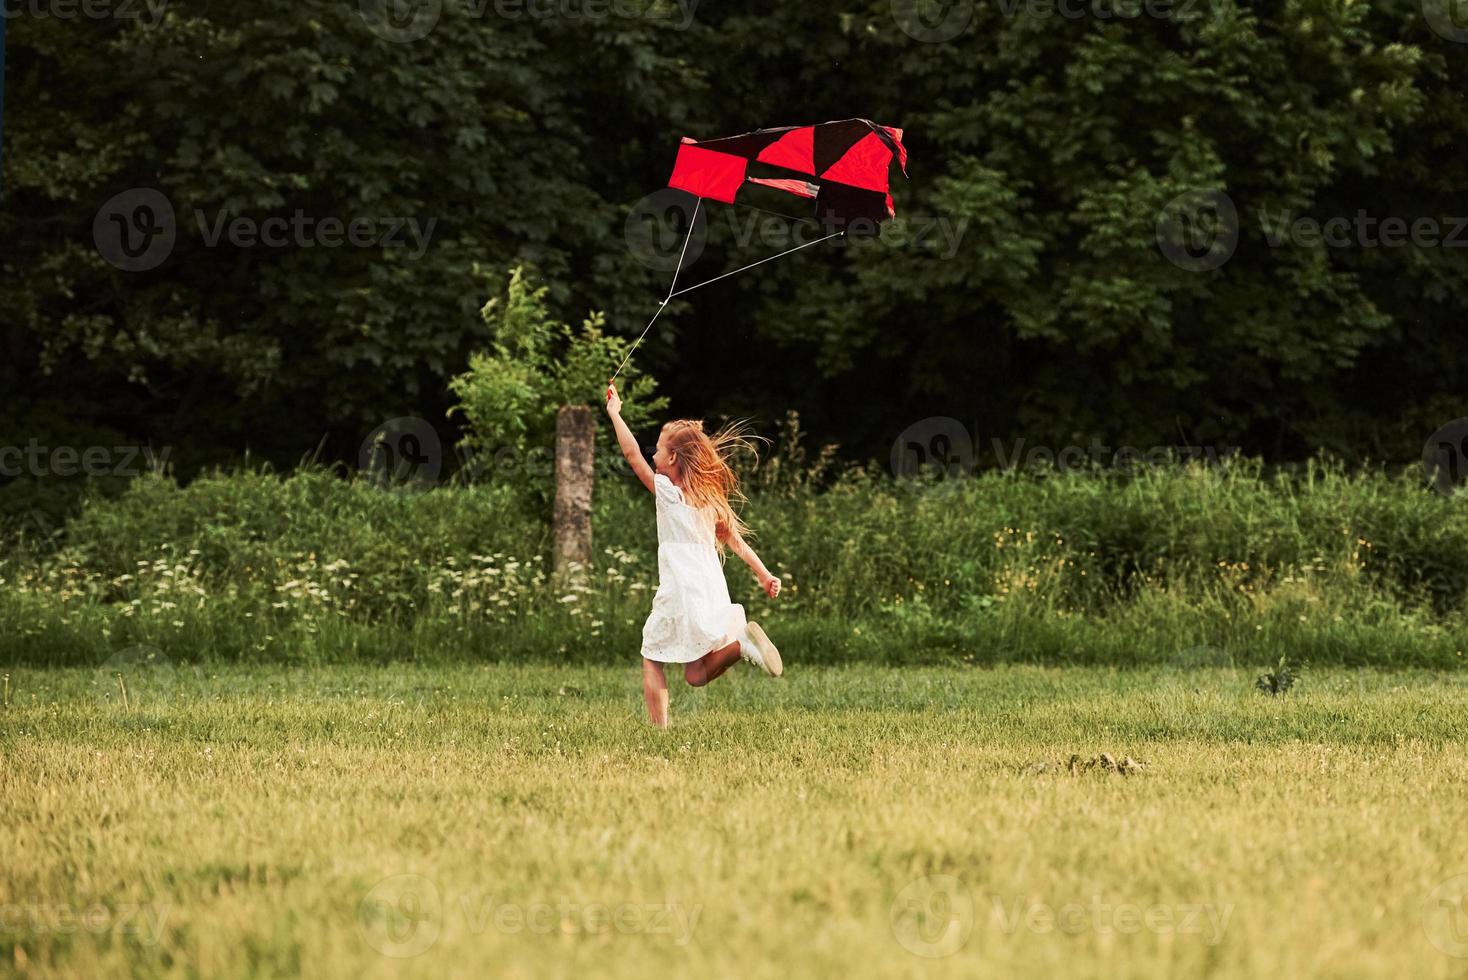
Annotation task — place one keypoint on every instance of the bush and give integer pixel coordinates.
(1222, 564)
(510, 394)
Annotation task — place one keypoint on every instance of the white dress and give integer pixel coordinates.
(691, 612)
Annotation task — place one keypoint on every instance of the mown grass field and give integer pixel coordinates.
(526, 822)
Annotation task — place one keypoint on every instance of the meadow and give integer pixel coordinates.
(290, 687)
(265, 724)
(524, 821)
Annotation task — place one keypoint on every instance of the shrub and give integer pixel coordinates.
(511, 393)
(1058, 567)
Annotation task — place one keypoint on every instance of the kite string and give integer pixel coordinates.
(753, 264)
(692, 222)
(673, 290)
(664, 304)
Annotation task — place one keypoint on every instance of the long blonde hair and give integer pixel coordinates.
(703, 461)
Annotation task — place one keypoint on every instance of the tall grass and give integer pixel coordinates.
(1223, 563)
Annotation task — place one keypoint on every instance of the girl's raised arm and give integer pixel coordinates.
(627, 440)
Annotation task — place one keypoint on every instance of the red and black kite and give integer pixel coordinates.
(848, 161)
(842, 164)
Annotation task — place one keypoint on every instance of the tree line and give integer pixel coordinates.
(271, 226)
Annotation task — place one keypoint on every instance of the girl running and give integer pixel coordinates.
(693, 623)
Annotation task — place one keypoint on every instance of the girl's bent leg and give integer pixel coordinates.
(655, 692)
(709, 666)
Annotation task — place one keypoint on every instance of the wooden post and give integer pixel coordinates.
(575, 466)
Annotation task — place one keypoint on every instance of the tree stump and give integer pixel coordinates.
(575, 466)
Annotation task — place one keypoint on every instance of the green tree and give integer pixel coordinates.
(536, 364)
(488, 132)
(1050, 145)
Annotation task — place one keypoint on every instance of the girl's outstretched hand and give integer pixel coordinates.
(771, 586)
(614, 401)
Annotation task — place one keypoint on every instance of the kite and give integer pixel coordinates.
(843, 165)
(850, 158)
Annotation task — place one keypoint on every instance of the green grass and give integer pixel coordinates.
(1334, 567)
(269, 821)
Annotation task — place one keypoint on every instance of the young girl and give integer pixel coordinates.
(693, 623)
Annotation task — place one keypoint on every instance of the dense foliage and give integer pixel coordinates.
(1193, 565)
(509, 396)
(1025, 291)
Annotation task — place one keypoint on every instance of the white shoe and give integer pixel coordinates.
(756, 647)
